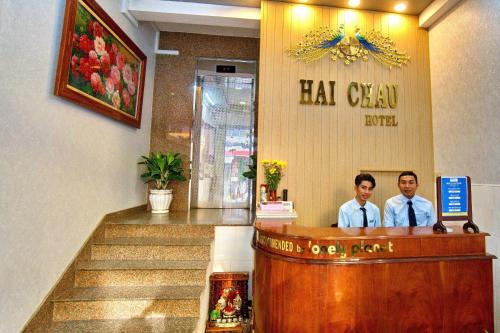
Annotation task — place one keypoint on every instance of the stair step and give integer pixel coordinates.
(125, 309)
(149, 252)
(131, 293)
(140, 277)
(155, 241)
(168, 325)
(141, 264)
(113, 230)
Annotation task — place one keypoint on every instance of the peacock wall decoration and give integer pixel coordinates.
(325, 41)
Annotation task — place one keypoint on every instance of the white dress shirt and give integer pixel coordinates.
(351, 215)
(396, 211)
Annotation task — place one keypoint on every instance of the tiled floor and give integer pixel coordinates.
(217, 217)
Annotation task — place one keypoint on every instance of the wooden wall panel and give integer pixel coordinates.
(326, 146)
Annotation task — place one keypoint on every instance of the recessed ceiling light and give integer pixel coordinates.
(354, 3)
(400, 7)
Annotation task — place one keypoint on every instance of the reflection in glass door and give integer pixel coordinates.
(223, 137)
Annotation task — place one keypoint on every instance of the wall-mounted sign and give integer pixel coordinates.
(454, 202)
(334, 42)
(367, 95)
(331, 249)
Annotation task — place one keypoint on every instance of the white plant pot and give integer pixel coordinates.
(160, 200)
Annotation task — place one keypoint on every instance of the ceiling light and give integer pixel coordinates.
(354, 3)
(400, 7)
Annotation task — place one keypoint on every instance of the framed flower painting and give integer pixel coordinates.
(99, 66)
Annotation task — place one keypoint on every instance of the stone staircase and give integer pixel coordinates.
(141, 277)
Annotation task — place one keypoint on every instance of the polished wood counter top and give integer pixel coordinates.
(344, 245)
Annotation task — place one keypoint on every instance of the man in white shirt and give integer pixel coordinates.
(359, 212)
(407, 208)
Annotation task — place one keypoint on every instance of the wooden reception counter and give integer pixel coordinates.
(328, 280)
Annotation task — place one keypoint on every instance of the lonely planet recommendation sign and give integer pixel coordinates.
(454, 196)
(454, 202)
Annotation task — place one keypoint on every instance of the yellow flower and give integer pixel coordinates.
(272, 170)
(265, 162)
(281, 164)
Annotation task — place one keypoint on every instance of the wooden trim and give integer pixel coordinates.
(369, 261)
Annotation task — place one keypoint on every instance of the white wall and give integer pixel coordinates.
(464, 49)
(62, 167)
(465, 72)
(233, 251)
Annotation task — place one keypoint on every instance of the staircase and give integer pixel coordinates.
(141, 277)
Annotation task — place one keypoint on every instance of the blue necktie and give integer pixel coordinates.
(411, 214)
(365, 218)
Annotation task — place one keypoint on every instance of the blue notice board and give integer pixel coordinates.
(454, 196)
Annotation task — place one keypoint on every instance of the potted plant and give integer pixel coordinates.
(161, 168)
(274, 170)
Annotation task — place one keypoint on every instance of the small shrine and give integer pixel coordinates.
(228, 305)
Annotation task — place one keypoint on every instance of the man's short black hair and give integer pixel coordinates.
(364, 176)
(408, 173)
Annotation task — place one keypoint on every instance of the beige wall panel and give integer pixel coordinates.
(325, 146)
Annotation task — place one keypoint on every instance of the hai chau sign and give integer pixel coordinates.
(367, 95)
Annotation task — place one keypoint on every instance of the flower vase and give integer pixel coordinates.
(272, 195)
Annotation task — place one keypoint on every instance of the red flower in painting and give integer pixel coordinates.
(105, 64)
(119, 87)
(111, 53)
(120, 61)
(99, 45)
(85, 68)
(74, 66)
(131, 88)
(127, 74)
(115, 74)
(75, 40)
(110, 86)
(85, 44)
(126, 97)
(96, 83)
(135, 79)
(90, 27)
(98, 30)
(94, 62)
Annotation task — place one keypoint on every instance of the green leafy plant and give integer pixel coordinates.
(162, 168)
(252, 172)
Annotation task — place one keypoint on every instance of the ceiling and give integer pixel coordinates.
(242, 17)
(414, 7)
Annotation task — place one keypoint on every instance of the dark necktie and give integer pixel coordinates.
(365, 218)
(411, 214)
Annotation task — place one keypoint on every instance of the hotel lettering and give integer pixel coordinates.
(366, 95)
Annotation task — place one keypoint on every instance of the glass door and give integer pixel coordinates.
(223, 137)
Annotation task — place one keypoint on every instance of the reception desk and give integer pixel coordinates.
(371, 280)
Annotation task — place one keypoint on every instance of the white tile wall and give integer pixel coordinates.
(233, 251)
